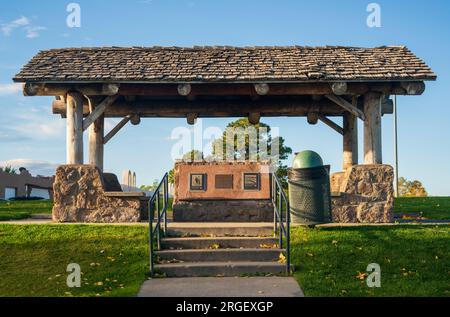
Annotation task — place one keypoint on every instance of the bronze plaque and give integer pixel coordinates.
(252, 181)
(224, 181)
(198, 182)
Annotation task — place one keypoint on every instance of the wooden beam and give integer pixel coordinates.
(413, 88)
(191, 118)
(339, 88)
(262, 89)
(117, 128)
(347, 106)
(312, 117)
(135, 119)
(372, 129)
(184, 89)
(350, 140)
(331, 124)
(254, 117)
(32, 89)
(267, 107)
(110, 89)
(51, 89)
(98, 111)
(74, 127)
(219, 89)
(387, 105)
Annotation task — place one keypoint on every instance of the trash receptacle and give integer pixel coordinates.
(309, 189)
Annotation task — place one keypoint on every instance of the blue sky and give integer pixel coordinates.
(30, 135)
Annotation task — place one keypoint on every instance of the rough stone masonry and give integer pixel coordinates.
(80, 196)
(363, 194)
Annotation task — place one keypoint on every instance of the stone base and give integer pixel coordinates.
(223, 211)
(80, 196)
(365, 194)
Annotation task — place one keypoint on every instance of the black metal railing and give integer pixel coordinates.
(157, 207)
(281, 221)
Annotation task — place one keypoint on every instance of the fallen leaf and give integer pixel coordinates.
(268, 246)
(281, 258)
(361, 276)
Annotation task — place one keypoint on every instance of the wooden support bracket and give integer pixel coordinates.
(347, 106)
(117, 128)
(331, 124)
(98, 111)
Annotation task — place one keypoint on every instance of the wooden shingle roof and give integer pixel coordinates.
(225, 64)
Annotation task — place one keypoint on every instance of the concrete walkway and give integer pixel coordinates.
(221, 287)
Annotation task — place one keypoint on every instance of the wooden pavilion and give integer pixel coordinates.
(319, 83)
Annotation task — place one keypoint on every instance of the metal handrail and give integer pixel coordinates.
(278, 196)
(161, 213)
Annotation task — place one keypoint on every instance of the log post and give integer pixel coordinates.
(372, 128)
(96, 134)
(74, 126)
(350, 146)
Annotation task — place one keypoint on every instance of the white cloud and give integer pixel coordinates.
(31, 31)
(35, 167)
(31, 125)
(9, 89)
(39, 126)
(7, 28)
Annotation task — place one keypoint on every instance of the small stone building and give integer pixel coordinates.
(236, 191)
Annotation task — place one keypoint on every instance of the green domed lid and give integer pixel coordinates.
(307, 159)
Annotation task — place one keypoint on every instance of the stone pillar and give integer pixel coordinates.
(74, 125)
(372, 129)
(350, 146)
(96, 134)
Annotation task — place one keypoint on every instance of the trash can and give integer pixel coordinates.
(309, 189)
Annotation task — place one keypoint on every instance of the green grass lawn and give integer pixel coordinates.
(436, 208)
(34, 258)
(15, 210)
(114, 259)
(414, 260)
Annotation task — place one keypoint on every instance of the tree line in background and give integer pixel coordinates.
(413, 188)
(8, 169)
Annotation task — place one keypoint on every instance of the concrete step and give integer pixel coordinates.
(220, 230)
(217, 242)
(197, 269)
(220, 255)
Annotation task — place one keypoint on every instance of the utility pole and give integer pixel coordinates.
(395, 146)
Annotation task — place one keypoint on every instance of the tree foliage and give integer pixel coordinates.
(151, 187)
(263, 136)
(8, 169)
(413, 188)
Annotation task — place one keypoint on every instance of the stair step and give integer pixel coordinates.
(201, 269)
(220, 255)
(221, 231)
(222, 242)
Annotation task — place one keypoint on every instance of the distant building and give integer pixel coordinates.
(25, 185)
